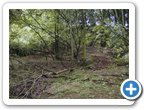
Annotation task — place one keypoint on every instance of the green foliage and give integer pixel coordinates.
(112, 65)
(106, 37)
(37, 28)
(16, 48)
(118, 51)
(118, 37)
(99, 36)
(89, 60)
(90, 66)
(125, 72)
(123, 60)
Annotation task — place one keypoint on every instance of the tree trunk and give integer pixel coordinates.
(116, 16)
(123, 21)
(56, 37)
(71, 36)
(84, 38)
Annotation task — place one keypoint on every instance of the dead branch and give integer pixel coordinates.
(32, 84)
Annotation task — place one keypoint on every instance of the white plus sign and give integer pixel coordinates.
(131, 89)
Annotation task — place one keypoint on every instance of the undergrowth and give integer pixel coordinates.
(100, 78)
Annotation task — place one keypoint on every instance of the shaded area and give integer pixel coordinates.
(98, 78)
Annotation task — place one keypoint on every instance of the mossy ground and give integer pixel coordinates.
(99, 78)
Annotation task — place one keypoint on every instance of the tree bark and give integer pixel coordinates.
(56, 37)
(116, 16)
(123, 21)
(72, 51)
(84, 38)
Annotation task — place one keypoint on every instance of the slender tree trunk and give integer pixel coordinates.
(84, 38)
(56, 37)
(123, 21)
(116, 16)
(71, 36)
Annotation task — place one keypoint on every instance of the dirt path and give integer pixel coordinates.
(101, 60)
(86, 82)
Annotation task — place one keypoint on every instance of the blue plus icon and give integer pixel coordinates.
(130, 89)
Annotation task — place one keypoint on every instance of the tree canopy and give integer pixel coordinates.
(49, 29)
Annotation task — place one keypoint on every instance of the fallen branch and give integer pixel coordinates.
(62, 71)
(33, 84)
(107, 75)
(56, 73)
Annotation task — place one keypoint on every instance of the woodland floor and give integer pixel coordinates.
(99, 78)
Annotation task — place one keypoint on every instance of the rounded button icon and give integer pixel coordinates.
(131, 89)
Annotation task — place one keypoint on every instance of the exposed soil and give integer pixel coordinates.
(99, 77)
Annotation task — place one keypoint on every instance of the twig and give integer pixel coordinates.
(22, 91)
(107, 75)
(33, 84)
